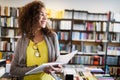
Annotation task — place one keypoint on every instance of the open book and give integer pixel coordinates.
(62, 59)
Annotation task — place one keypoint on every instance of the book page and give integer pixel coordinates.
(62, 59)
(66, 58)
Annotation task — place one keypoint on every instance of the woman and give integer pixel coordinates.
(37, 45)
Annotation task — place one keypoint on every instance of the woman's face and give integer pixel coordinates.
(43, 18)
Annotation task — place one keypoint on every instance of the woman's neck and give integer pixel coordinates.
(38, 37)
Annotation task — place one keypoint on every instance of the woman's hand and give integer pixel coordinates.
(51, 69)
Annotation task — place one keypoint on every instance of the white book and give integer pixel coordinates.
(116, 27)
(62, 59)
(2, 71)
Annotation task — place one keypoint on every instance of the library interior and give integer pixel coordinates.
(88, 33)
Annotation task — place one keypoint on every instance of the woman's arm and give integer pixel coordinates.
(56, 44)
(18, 67)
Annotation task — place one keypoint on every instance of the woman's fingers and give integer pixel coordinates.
(50, 69)
(47, 69)
(57, 69)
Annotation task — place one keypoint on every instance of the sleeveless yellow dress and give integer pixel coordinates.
(34, 60)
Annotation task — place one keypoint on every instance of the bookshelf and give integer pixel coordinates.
(95, 35)
(113, 49)
(8, 32)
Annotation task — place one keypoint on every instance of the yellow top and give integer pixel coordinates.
(32, 59)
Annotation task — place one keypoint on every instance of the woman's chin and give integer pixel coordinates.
(43, 26)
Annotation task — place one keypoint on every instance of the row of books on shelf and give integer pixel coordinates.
(95, 60)
(114, 71)
(115, 16)
(7, 46)
(88, 36)
(8, 22)
(92, 50)
(85, 15)
(9, 11)
(114, 27)
(64, 47)
(100, 26)
(91, 60)
(89, 16)
(114, 37)
(85, 36)
(62, 25)
(65, 25)
(10, 33)
(87, 26)
(112, 50)
(101, 53)
(90, 26)
(80, 26)
(63, 35)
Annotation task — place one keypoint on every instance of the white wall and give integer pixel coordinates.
(89, 5)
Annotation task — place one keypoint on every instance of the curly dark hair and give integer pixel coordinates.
(29, 19)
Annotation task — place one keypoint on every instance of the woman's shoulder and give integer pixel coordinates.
(22, 39)
(54, 34)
